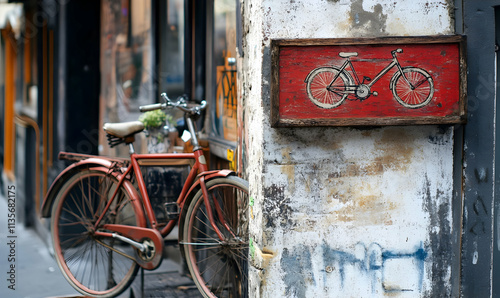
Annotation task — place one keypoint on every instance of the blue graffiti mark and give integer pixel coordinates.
(419, 255)
(371, 261)
(297, 271)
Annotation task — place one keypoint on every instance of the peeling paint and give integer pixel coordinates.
(276, 207)
(368, 21)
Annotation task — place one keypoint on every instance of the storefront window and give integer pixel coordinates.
(225, 125)
(171, 73)
(126, 62)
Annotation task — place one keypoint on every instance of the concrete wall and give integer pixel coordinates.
(346, 212)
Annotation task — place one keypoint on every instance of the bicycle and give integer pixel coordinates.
(328, 87)
(104, 227)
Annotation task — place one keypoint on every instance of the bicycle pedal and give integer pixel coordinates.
(375, 93)
(172, 210)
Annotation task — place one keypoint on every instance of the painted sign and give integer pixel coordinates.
(382, 81)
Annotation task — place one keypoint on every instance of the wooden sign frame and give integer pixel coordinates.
(360, 81)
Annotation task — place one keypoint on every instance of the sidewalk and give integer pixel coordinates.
(37, 274)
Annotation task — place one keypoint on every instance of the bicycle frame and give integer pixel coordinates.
(199, 166)
(384, 71)
(135, 168)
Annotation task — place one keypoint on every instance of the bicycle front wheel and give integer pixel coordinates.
(219, 267)
(326, 88)
(416, 90)
(95, 266)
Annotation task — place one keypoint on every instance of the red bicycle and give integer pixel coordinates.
(104, 226)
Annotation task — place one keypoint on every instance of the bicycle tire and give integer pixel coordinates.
(219, 269)
(87, 264)
(316, 86)
(416, 97)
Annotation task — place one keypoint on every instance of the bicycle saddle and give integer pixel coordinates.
(348, 54)
(122, 130)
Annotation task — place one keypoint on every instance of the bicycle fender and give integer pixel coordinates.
(398, 74)
(68, 172)
(208, 175)
(348, 76)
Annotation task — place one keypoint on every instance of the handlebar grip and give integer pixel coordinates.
(151, 107)
(399, 50)
(203, 105)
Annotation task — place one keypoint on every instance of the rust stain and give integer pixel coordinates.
(288, 168)
(285, 152)
(266, 256)
(289, 171)
(367, 210)
(396, 142)
(363, 205)
(362, 201)
(394, 150)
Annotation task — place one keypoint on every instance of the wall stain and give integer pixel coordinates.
(366, 210)
(441, 239)
(371, 21)
(277, 210)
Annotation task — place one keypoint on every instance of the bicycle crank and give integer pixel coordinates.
(148, 242)
(363, 91)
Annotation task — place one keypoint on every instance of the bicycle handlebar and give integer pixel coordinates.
(393, 52)
(180, 104)
(152, 107)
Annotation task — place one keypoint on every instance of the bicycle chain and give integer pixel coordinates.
(114, 249)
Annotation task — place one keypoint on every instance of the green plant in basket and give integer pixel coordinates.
(155, 121)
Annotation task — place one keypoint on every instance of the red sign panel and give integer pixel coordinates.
(385, 81)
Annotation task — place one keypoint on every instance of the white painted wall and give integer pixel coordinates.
(344, 212)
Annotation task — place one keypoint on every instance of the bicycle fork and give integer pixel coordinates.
(400, 69)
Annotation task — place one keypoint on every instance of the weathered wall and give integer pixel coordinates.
(346, 212)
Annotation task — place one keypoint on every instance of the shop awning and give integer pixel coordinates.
(11, 14)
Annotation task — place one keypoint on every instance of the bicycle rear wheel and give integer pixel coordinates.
(324, 91)
(219, 268)
(416, 95)
(95, 266)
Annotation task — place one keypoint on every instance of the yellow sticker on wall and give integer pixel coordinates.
(230, 158)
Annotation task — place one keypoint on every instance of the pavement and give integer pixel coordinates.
(37, 275)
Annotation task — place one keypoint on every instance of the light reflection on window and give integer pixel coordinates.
(171, 78)
(225, 124)
(126, 61)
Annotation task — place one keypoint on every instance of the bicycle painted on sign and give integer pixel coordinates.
(104, 227)
(328, 87)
